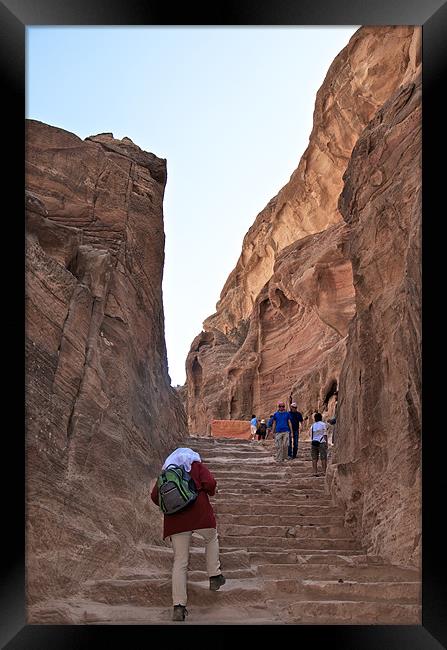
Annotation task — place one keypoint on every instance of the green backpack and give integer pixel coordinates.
(176, 489)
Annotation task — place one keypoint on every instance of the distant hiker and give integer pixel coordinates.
(281, 429)
(269, 425)
(295, 418)
(197, 517)
(318, 432)
(253, 426)
(261, 431)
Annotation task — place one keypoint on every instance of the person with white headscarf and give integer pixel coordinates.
(182, 456)
(197, 517)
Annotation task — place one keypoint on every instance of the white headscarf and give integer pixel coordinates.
(182, 456)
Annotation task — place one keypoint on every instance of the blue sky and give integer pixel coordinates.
(230, 108)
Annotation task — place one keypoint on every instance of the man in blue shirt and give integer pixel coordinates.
(295, 418)
(282, 428)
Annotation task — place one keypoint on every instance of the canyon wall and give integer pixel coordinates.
(100, 412)
(376, 469)
(324, 302)
(281, 323)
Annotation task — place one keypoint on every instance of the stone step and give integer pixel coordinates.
(251, 542)
(236, 502)
(260, 463)
(257, 497)
(279, 481)
(350, 558)
(298, 490)
(311, 590)
(249, 450)
(260, 467)
(88, 612)
(193, 575)
(260, 471)
(158, 592)
(225, 505)
(247, 447)
(240, 457)
(295, 531)
(360, 572)
(277, 494)
(290, 519)
(350, 613)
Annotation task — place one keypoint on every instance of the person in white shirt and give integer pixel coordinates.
(253, 426)
(318, 436)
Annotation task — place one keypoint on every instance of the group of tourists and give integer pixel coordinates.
(185, 484)
(284, 427)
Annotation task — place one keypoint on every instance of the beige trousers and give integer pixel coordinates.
(180, 543)
(281, 445)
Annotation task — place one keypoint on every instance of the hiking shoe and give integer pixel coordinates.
(179, 613)
(216, 582)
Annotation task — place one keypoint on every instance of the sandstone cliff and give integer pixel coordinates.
(281, 322)
(376, 471)
(100, 411)
(325, 298)
(295, 343)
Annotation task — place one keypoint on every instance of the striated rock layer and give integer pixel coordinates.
(377, 470)
(280, 326)
(100, 411)
(295, 343)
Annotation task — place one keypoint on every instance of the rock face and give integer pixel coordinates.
(100, 411)
(295, 343)
(377, 473)
(281, 323)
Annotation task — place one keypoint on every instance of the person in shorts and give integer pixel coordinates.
(318, 436)
(253, 426)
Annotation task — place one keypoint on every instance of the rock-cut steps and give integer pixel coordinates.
(297, 562)
(284, 550)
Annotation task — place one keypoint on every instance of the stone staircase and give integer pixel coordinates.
(305, 565)
(284, 550)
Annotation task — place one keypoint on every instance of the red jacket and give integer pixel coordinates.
(200, 513)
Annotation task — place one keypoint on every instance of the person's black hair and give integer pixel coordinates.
(253, 416)
(318, 417)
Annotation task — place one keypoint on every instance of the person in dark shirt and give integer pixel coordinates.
(261, 431)
(295, 418)
(269, 425)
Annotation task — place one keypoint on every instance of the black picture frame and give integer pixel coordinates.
(15, 16)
